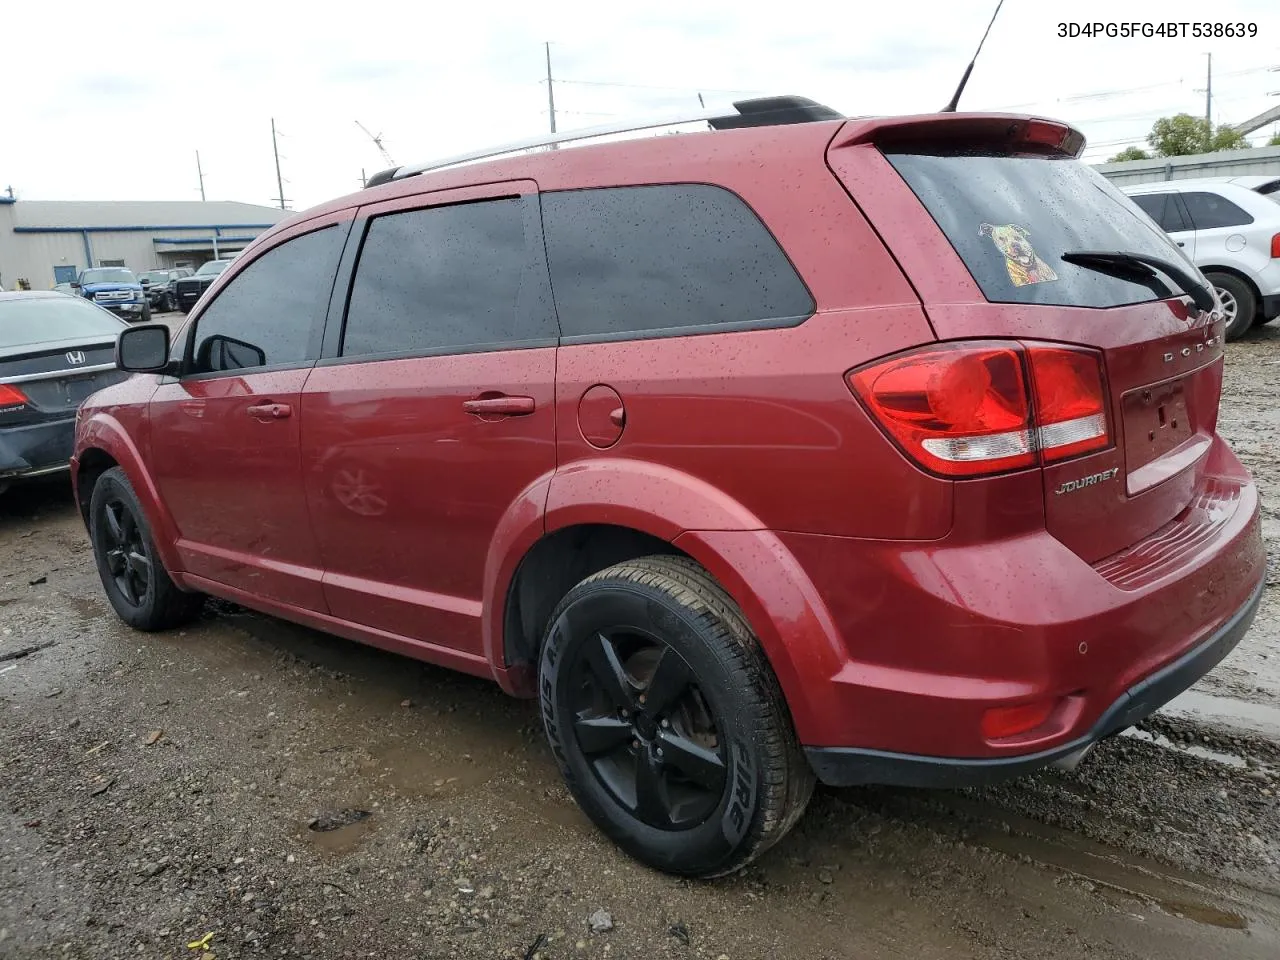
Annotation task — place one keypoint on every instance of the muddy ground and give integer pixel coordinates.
(158, 788)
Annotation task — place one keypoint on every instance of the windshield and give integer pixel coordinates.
(212, 267)
(108, 275)
(46, 319)
(154, 276)
(1011, 216)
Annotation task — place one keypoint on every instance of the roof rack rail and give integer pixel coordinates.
(759, 112)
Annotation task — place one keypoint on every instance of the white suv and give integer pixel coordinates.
(1230, 229)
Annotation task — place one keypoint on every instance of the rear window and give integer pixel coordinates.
(35, 320)
(1011, 216)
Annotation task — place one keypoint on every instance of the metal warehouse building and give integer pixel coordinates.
(50, 241)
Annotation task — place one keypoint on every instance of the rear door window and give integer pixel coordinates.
(1011, 216)
(660, 260)
(1208, 210)
(1163, 208)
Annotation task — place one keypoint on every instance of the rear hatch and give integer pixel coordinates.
(980, 212)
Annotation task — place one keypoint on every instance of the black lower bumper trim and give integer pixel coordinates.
(1270, 307)
(851, 766)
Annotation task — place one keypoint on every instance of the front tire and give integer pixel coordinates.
(667, 721)
(146, 313)
(1238, 303)
(133, 576)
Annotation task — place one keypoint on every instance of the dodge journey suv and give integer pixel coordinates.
(803, 447)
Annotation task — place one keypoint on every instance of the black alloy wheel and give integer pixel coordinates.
(646, 730)
(125, 552)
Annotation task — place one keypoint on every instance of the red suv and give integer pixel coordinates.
(864, 450)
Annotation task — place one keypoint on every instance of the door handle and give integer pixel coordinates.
(500, 406)
(1181, 243)
(269, 411)
(192, 408)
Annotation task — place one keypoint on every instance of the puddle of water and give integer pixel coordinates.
(415, 771)
(1177, 892)
(1195, 750)
(342, 840)
(1253, 717)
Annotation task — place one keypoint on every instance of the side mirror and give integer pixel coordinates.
(75, 284)
(227, 353)
(143, 349)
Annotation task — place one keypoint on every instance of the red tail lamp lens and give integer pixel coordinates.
(959, 409)
(1071, 416)
(1275, 247)
(11, 396)
(999, 723)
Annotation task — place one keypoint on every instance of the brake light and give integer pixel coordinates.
(1070, 414)
(966, 409)
(11, 396)
(1275, 247)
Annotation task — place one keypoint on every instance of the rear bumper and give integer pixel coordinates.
(36, 449)
(850, 766)
(1271, 307)
(924, 642)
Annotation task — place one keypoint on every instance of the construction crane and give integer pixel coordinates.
(377, 142)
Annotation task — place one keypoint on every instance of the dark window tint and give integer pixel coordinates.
(635, 260)
(1163, 209)
(1209, 210)
(447, 278)
(270, 310)
(1011, 217)
(33, 320)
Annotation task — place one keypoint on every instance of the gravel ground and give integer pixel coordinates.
(295, 795)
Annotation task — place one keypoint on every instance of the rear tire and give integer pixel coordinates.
(667, 721)
(133, 576)
(1238, 302)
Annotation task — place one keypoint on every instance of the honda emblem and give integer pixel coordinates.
(75, 356)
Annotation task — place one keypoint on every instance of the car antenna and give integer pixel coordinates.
(955, 97)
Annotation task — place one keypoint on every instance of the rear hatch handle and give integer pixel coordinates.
(1201, 294)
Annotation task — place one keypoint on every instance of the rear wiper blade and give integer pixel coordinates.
(1200, 293)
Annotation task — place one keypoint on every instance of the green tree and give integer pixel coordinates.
(1130, 153)
(1184, 134)
(1274, 141)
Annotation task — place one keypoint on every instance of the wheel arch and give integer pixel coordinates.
(102, 443)
(1239, 275)
(598, 516)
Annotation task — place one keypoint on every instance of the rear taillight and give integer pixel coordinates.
(1275, 246)
(1070, 411)
(11, 397)
(981, 407)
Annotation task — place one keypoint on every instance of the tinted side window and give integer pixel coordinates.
(1163, 209)
(268, 313)
(1209, 210)
(447, 278)
(635, 260)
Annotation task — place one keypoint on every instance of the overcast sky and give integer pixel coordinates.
(111, 101)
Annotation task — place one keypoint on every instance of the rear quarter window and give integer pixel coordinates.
(1011, 216)
(661, 260)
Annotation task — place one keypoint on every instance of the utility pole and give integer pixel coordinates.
(1208, 102)
(551, 94)
(200, 174)
(276, 149)
(701, 103)
(364, 181)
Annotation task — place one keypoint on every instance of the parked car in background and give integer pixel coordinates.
(54, 351)
(159, 286)
(115, 289)
(1230, 229)
(889, 456)
(189, 289)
